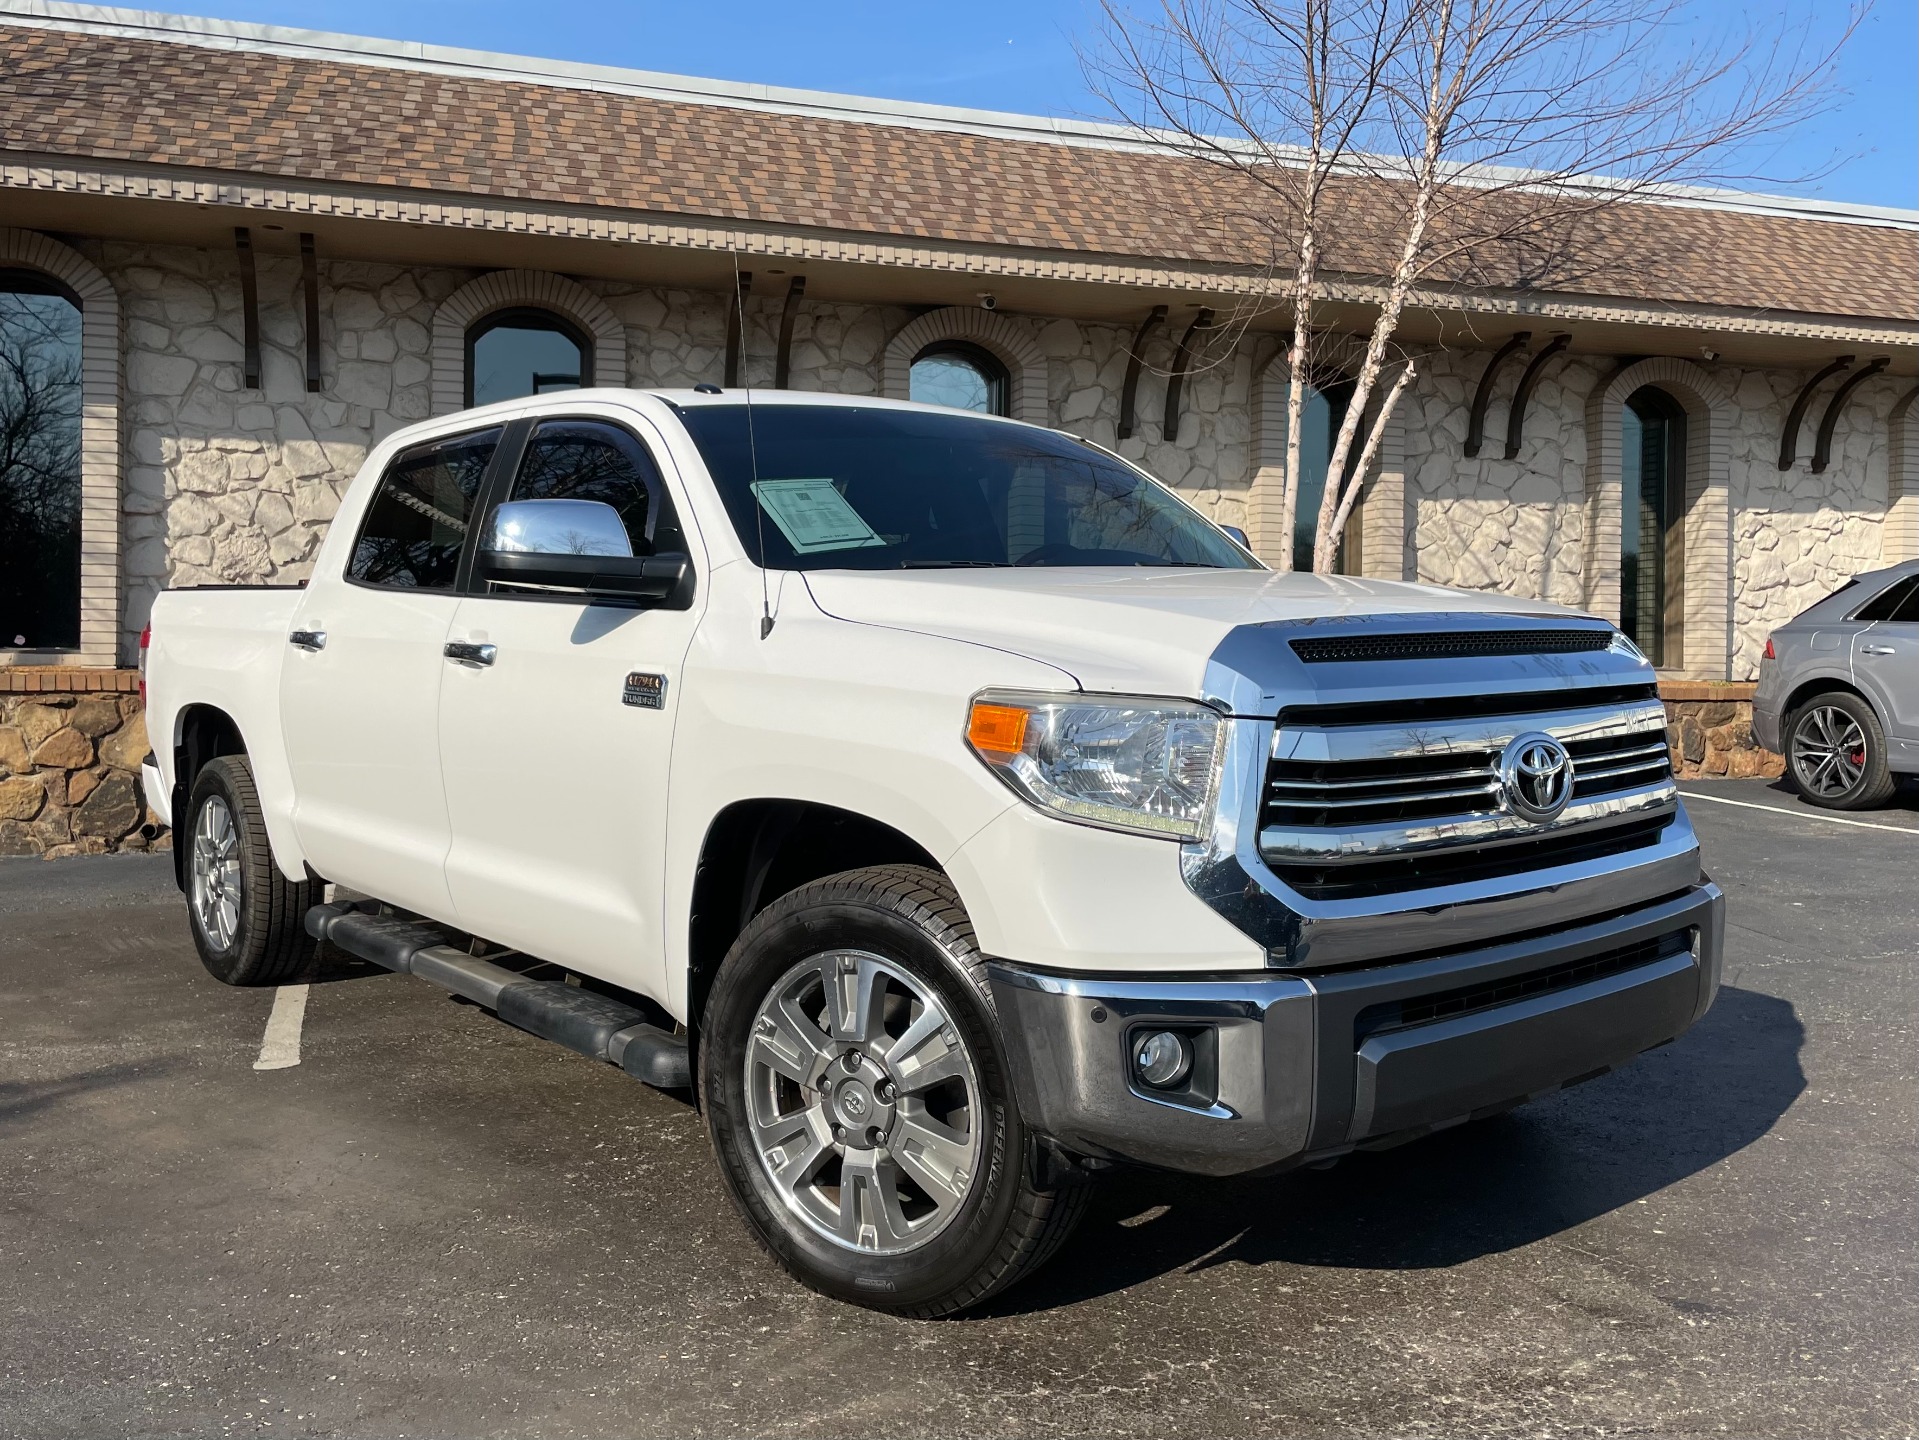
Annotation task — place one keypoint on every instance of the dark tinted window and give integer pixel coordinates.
(1908, 609)
(515, 353)
(592, 460)
(39, 464)
(847, 487)
(417, 523)
(1894, 598)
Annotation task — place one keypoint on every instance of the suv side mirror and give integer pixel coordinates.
(576, 545)
(1238, 536)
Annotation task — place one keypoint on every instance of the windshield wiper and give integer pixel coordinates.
(955, 565)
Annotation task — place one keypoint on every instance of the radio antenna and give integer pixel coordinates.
(753, 460)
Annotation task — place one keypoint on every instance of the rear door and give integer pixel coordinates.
(1885, 663)
(555, 750)
(360, 690)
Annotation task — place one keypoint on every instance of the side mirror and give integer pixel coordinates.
(576, 545)
(1238, 535)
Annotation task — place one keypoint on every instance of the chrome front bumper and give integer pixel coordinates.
(1300, 1067)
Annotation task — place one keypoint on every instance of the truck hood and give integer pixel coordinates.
(1145, 632)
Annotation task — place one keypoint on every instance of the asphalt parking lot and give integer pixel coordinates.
(434, 1225)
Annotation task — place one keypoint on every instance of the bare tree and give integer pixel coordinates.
(1377, 147)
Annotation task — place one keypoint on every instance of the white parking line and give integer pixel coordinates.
(280, 1046)
(1801, 814)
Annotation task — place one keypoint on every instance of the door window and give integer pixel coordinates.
(417, 523)
(1896, 602)
(593, 460)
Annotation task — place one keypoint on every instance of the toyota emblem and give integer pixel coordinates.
(1536, 777)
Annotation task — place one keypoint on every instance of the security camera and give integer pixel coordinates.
(988, 300)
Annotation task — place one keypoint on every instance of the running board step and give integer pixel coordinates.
(595, 1025)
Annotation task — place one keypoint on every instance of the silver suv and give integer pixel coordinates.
(1839, 691)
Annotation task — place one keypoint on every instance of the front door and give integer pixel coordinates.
(554, 743)
(1885, 662)
(360, 689)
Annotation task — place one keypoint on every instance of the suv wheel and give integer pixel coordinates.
(247, 918)
(857, 1094)
(1836, 753)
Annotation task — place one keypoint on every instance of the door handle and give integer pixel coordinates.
(1877, 650)
(308, 639)
(470, 654)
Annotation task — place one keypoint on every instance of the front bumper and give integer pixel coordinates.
(1297, 1067)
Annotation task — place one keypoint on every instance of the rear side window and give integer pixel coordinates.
(1895, 602)
(592, 460)
(417, 522)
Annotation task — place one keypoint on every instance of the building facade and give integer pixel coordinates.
(232, 259)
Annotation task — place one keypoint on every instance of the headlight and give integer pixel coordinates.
(1146, 766)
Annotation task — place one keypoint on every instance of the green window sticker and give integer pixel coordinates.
(813, 515)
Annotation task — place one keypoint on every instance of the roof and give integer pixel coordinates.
(205, 96)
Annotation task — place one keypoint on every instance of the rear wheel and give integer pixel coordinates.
(857, 1094)
(1836, 753)
(247, 918)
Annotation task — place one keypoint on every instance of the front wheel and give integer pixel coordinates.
(247, 918)
(1836, 753)
(857, 1095)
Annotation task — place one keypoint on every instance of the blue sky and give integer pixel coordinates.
(1019, 55)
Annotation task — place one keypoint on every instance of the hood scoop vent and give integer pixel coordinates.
(1446, 645)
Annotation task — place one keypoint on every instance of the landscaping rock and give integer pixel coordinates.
(21, 797)
(66, 749)
(111, 810)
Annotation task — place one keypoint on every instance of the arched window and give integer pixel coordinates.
(1652, 455)
(524, 351)
(966, 377)
(1325, 412)
(39, 463)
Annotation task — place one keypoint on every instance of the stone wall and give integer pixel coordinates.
(1521, 526)
(1709, 731)
(70, 773)
(229, 485)
(1515, 526)
(1798, 536)
(225, 484)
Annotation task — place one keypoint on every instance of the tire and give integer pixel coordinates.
(1836, 753)
(941, 1208)
(247, 918)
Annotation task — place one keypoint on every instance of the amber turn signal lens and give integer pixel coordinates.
(996, 729)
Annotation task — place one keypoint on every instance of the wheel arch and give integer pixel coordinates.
(1805, 690)
(755, 851)
(203, 731)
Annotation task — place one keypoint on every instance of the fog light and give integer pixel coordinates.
(1162, 1059)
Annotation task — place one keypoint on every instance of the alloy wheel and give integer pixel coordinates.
(864, 1102)
(1828, 751)
(216, 873)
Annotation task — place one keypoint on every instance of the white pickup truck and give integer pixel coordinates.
(950, 806)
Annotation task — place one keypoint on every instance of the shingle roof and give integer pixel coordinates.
(328, 121)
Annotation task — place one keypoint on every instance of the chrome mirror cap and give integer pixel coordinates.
(558, 527)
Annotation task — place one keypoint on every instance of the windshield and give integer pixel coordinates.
(841, 487)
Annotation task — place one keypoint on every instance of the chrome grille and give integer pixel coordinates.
(1388, 789)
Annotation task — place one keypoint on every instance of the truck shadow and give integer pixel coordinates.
(1476, 1190)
